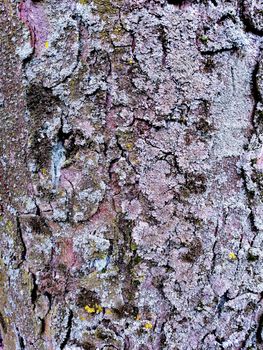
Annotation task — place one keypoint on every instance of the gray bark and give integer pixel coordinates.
(131, 174)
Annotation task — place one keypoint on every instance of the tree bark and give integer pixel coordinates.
(131, 174)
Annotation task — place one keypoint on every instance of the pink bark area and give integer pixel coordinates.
(70, 178)
(33, 16)
(68, 256)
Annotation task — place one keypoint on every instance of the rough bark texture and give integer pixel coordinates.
(131, 174)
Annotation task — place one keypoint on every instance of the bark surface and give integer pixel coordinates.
(131, 174)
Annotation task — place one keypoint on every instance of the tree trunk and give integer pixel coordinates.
(131, 174)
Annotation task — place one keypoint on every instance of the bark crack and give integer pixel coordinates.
(69, 327)
(23, 245)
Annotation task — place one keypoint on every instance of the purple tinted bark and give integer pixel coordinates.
(131, 175)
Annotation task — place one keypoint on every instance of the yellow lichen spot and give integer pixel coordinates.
(44, 171)
(89, 310)
(82, 318)
(117, 30)
(129, 146)
(148, 325)
(98, 308)
(232, 256)
(9, 226)
(108, 312)
(83, 2)
(46, 44)
(130, 61)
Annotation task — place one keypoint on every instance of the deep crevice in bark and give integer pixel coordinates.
(259, 330)
(249, 26)
(69, 326)
(20, 235)
(34, 291)
(21, 340)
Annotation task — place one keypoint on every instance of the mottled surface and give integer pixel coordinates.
(131, 172)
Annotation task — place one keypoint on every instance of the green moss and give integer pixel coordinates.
(105, 8)
(9, 225)
(203, 126)
(136, 283)
(41, 150)
(87, 297)
(260, 115)
(194, 220)
(252, 257)
(194, 251)
(133, 246)
(126, 310)
(137, 259)
(257, 177)
(195, 184)
(88, 346)
(39, 225)
(204, 39)
(100, 255)
(253, 161)
(209, 64)
(200, 306)
(102, 334)
(3, 323)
